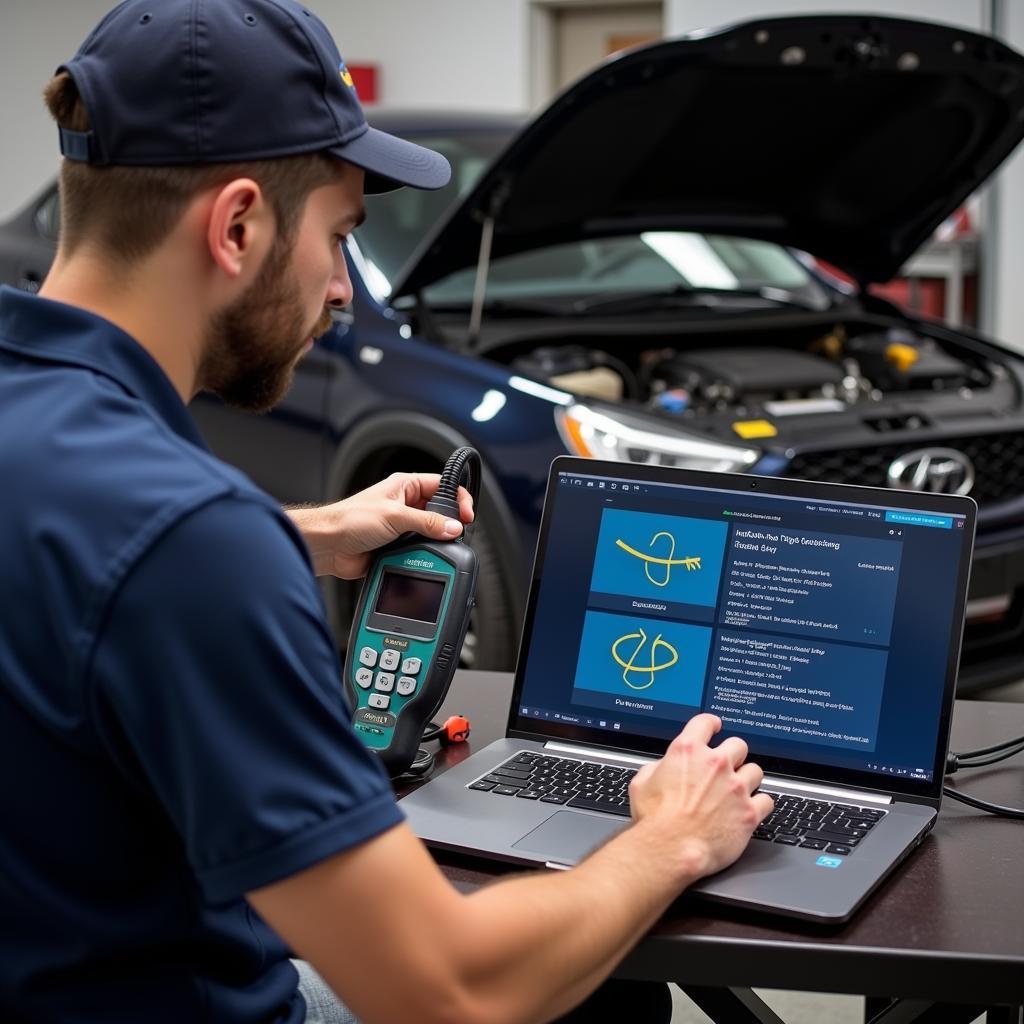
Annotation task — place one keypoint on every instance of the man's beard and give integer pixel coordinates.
(252, 346)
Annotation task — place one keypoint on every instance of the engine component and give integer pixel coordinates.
(600, 382)
(722, 377)
(898, 360)
(580, 370)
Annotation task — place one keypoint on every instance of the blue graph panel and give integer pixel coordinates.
(670, 558)
(651, 660)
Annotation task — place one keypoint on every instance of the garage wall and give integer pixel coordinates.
(468, 54)
(446, 53)
(1006, 301)
(35, 36)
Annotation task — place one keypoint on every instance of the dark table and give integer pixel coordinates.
(947, 928)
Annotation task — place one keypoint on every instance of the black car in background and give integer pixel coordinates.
(626, 275)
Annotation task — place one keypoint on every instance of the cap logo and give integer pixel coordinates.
(346, 75)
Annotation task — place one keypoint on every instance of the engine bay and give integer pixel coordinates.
(879, 378)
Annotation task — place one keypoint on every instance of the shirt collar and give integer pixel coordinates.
(55, 332)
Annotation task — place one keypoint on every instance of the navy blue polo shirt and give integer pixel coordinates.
(172, 729)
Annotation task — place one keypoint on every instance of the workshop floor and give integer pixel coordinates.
(792, 1007)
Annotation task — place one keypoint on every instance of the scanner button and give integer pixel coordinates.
(385, 683)
(389, 660)
(368, 657)
(379, 700)
(411, 666)
(364, 677)
(406, 685)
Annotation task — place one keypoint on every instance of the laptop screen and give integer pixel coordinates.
(821, 622)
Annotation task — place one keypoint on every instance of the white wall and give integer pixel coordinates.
(35, 37)
(467, 54)
(1007, 276)
(464, 54)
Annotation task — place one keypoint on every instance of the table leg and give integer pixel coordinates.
(1005, 1015)
(732, 1005)
(921, 1011)
(873, 1006)
(742, 1006)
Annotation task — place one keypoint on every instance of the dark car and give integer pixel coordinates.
(627, 275)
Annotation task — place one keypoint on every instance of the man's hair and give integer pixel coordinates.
(126, 212)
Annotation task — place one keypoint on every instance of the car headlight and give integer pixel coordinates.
(625, 438)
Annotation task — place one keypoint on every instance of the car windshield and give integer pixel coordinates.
(650, 262)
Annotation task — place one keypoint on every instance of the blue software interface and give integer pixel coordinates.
(817, 630)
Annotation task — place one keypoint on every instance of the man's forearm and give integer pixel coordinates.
(535, 946)
(318, 526)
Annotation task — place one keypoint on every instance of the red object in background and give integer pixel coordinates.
(364, 77)
(925, 296)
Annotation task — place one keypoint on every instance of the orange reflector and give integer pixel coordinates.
(574, 434)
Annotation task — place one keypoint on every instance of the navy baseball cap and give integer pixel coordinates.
(222, 81)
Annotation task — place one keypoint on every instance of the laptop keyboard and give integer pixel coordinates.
(817, 824)
(561, 780)
(796, 821)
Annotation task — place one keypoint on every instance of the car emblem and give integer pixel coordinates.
(936, 470)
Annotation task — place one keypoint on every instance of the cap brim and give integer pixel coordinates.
(391, 162)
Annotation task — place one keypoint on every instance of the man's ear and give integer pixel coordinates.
(240, 228)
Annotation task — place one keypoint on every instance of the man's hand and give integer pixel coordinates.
(704, 795)
(340, 536)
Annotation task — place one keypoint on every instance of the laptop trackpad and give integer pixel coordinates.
(568, 837)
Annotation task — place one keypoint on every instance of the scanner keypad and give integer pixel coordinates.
(385, 670)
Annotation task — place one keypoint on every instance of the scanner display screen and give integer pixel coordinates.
(409, 597)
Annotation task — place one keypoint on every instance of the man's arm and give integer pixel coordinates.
(398, 943)
(339, 536)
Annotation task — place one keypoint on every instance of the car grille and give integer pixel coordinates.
(998, 464)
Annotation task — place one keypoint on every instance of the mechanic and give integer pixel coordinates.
(184, 801)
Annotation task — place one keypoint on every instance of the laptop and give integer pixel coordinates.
(821, 622)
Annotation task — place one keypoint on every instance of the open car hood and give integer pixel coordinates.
(850, 137)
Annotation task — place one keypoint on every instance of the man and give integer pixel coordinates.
(182, 790)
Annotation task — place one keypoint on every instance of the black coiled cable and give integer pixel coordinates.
(462, 461)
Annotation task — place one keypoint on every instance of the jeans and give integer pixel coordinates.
(322, 1005)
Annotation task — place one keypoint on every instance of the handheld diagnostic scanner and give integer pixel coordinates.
(410, 621)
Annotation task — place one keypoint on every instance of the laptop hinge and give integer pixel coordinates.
(855, 795)
(597, 753)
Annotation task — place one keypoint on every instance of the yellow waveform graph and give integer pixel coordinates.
(690, 563)
(630, 666)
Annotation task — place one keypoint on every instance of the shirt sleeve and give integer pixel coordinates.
(216, 684)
